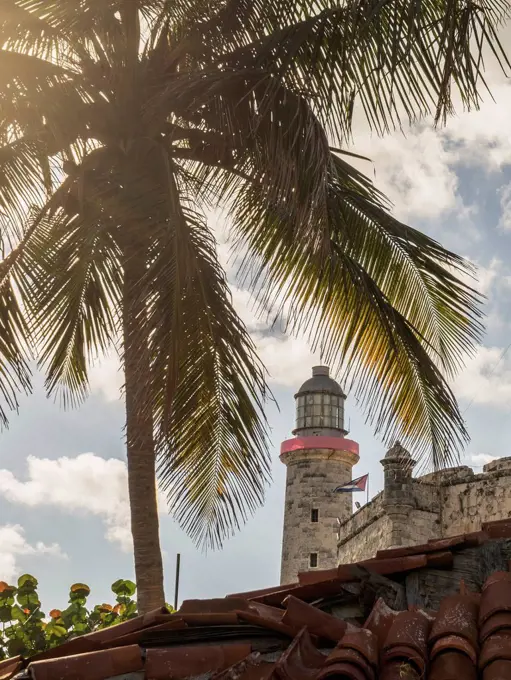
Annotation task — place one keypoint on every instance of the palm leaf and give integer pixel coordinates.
(73, 296)
(374, 299)
(208, 383)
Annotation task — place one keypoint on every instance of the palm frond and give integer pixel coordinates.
(395, 60)
(208, 383)
(444, 310)
(15, 340)
(380, 301)
(75, 291)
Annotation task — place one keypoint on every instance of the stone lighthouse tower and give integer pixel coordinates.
(319, 458)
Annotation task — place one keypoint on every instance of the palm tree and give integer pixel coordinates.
(124, 122)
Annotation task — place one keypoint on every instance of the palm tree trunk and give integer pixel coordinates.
(140, 442)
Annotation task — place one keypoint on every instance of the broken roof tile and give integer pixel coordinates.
(266, 620)
(301, 661)
(299, 614)
(380, 621)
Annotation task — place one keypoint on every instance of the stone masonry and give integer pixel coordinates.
(410, 511)
(319, 460)
(312, 474)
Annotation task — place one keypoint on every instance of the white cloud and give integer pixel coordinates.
(480, 459)
(486, 378)
(413, 171)
(13, 545)
(505, 207)
(85, 485)
(418, 170)
(106, 377)
(288, 359)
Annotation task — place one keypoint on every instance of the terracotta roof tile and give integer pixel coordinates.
(184, 662)
(301, 661)
(457, 615)
(266, 620)
(498, 529)
(494, 624)
(498, 670)
(257, 594)
(252, 667)
(137, 636)
(216, 606)
(437, 545)
(454, 643)
(407, 640)
(496, 596)
(380, 621)
(89, 666)
(364, 642)
(347, 662)
(453, 666)
(299, 614)
(338, 624)
(10, 667)
(400, 669)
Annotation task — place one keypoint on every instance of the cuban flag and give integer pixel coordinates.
(358, 484)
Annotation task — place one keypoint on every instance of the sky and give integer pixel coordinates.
(64, 513)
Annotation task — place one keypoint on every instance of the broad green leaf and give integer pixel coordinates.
(124, 587)
(27, 581)
(55, 630)
(18, 614)
(28, 600)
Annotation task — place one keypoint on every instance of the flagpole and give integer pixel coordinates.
(367, 500)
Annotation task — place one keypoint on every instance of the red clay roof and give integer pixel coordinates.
(336, 623)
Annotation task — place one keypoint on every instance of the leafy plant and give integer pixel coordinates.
(25, 629)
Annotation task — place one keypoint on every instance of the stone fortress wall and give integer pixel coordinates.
(413, 510)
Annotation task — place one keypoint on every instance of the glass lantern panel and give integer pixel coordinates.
(316, 411)
(326, 398)
(317, 398)
(310, 398)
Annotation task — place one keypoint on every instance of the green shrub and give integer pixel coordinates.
(26, 630)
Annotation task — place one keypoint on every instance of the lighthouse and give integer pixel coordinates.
(318, 458)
